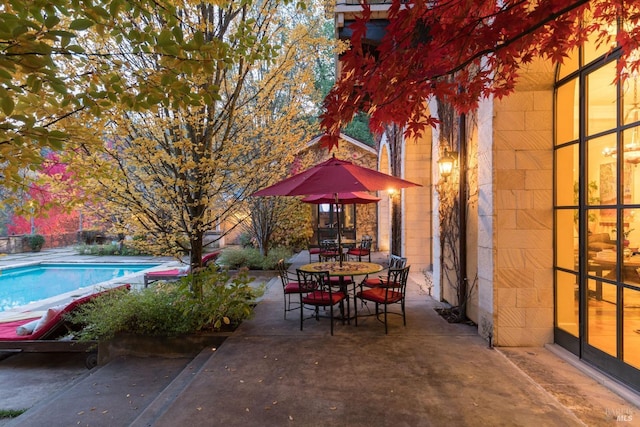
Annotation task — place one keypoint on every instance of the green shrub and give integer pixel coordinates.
(11, 413)
(108, 249)
(252, 259)
(170, 309)
(246, 240)
(35, 241)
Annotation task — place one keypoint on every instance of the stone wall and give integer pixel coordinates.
(523, 215)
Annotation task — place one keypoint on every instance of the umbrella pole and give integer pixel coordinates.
(339, 237)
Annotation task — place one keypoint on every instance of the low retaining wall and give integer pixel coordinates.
(147, 346)
(11, 245)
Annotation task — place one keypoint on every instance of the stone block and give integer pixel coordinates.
(539, 259)
(522, 337)
(511, 317)
(543, 278)
(508, 120)
(539, 179)
(534, 298)
(509, 258)
(505, 159)
(511, 179)
(542, 198)
(533, 159)
(539, 121)
(513, 278)
(534, 219)
(516, 101)
(538, 317)
(506, 220)
(507, 297)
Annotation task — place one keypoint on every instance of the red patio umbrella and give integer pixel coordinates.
(334, 176)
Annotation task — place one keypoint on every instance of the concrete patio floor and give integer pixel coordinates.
(269, 373)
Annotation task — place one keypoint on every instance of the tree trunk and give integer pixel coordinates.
(195, 262)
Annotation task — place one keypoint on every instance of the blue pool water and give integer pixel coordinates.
(22, 285)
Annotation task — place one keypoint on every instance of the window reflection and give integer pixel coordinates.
(601, 99)
(631, 328)
(567, 302)
(567, 239)
(602, 318)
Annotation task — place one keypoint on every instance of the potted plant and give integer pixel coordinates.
(35, 242)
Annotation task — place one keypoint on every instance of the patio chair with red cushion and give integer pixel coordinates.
(363, 249)
(329, 251)
(392, 291)
(290, 286)
(313, 250)
(316, 291)
(395, 261)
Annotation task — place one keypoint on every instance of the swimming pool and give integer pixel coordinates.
(23, 285)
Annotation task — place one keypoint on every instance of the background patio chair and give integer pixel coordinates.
(395, 261)
(329, 251)
(393, 291)
(363, 249)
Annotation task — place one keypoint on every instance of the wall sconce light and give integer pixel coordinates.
(445, 164)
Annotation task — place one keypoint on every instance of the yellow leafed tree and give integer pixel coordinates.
(212, 102)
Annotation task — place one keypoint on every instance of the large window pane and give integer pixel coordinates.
(602, 99)
(567, 238)
(601, 319)
(632, 327)
(593, 50)
(631, 106)
(631, 138)
(567, 172)
(602, 182)
(569, 65)
(567, 114)
(567, 302)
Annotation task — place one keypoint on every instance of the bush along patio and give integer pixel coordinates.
(203, 304)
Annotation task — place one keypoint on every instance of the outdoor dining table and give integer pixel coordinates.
(342, 270)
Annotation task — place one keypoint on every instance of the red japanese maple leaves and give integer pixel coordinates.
(461, 51)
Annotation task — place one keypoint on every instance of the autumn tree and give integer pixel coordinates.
(279, 220)
(171, 172)
(461, 51)
(50, 203)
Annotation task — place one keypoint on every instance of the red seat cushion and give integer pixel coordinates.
(329, 253)
(210, 257)
(358, 252)
(172, 272)
(373, 282)
(379, 294)
(292, 288)
(322, 298)
(314, 251)
(8, 329)
(50, 319)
